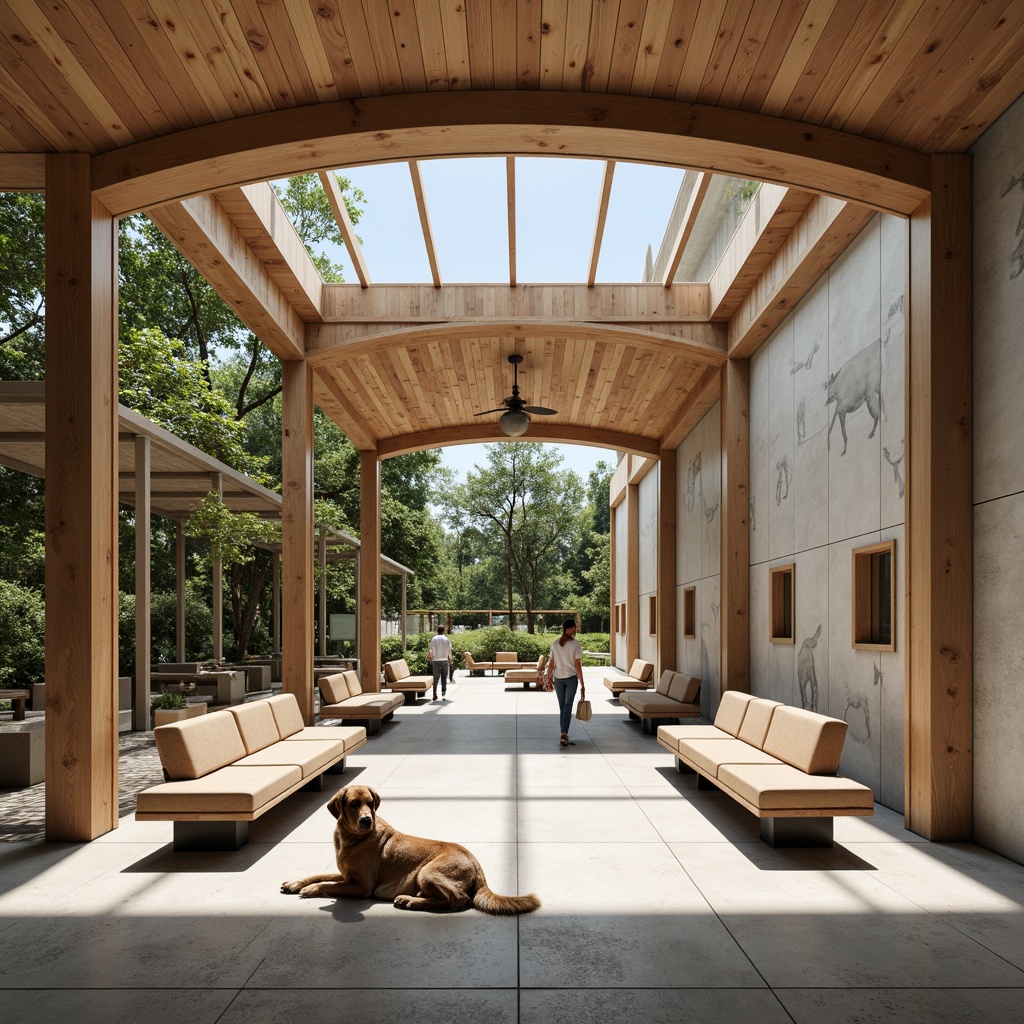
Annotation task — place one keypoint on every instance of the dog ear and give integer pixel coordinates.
(376, 798)
(337, 803)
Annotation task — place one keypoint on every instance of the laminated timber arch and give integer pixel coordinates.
(506, 123)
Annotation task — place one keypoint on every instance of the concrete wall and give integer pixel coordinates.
(816, 496)
(698, 553)
(647, 491)
(621, 554)
(999, 484)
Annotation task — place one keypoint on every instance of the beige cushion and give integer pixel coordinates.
(656, 705)
(710, 755)
(808, 741)
(350, 735)
(731, 709)
(780, 787)
(672, 734)
(410, 683)
(756, 720)
(396, 670)
(352, 681)
(366, 705)
(310, 758)
(287, 715)
(665, 682)
(198, 746)
(522, 675)
(256, 724)
(642, 670)
(228, 791)
(333, 688)
(504, 657)
(684, 688)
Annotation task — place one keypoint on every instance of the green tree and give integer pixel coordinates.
(22, 285)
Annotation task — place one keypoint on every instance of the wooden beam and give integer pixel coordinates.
(205, 236)
(639, 467)
(700, 190)
(667, 534)
(297, 534)
(428, 234)
(939, 764)
(825, 230)
(371, 129)
(555, 433)
(369, 571)
(143, 585)
(81, 509)
(735, 516)
(632, 573)
(337, 202)
(612, 578)
(602, 215)
(334, 402)
(510, 180)
(619, 481)
(703, 396)
(22, 172)
(217, 583)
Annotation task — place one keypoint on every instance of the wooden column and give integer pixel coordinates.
(369, 576)
(939, 767)
(632, 573)
(81, 505)
(143, 580)
(179, 552)
(276, 602)
(405, 637)
(297, 533)
(667, 505)
(735, 596)
(612, 621)
(321, 558)
(217, 484)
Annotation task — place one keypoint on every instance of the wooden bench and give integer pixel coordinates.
(676, 696)
(401, 680)
(476, 668)
(17, 699)
(532, 674)
(342, 696)
(228, 768)
(638, 678)
(778, 762)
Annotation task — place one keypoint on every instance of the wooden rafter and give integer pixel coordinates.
(700, 190)
(602, 215)
(428, 234)
(510, 175)
(348, 232)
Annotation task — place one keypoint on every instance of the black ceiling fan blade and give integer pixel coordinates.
(539, 410)
(500, 408)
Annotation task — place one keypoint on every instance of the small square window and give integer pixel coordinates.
(652, 615)
(874, 612)
(689, 613)
(781, 604)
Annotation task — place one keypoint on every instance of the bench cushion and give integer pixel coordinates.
(366, 705)
(648, 703)
(808, 741)
(672, 734)
(711, 755)
(782, 787)
(199, 746)
(334, 688)
(506, 658)
(731, 709)
(285, 709)
(353, 682)
(665, 682)
(256, 725)
(756, 720)
(350, 735)
(642, 670)
(230, 790)
(684, 688)
(310, 758)
(396, 670)
(412, 683)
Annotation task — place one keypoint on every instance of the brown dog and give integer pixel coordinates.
(417, 874)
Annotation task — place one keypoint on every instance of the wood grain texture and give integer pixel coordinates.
(667, 538)
(143, 577)
(369, 571)
(632, 572)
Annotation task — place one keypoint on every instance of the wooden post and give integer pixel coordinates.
(735, 594)
(667, 561)
(369, 562)
(405, 637)
(143, 576)
(632, 573)
(321, 552)
(939, 765)
(276, 603)
(297, 533)
(81, 505)
(612, 617)
(179, 552)
(217, 484)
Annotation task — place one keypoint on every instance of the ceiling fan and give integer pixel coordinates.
(514, 420)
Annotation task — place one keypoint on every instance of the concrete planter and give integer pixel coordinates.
(165, 716)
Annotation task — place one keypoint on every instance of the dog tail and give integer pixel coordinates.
(491, 903)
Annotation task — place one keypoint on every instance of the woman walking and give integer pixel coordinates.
(566, 672)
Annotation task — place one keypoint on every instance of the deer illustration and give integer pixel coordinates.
(805, 673)
(857, 382)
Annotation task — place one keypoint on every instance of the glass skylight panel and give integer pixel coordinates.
(638, 212)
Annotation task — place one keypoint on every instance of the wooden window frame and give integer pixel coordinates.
(782, 611)
(863, 608)
(652, 614)
(689, 613)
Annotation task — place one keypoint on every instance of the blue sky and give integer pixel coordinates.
(556, 212)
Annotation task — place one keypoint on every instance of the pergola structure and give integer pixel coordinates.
(185, 110)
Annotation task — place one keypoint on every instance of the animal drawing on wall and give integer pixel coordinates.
(1017, 256)
(695, 489)
(753, 512)
(895, 463)
(857, 382)
(858, 702)
(801, 421)
(805, 674)
(806, 363)
(782, 468)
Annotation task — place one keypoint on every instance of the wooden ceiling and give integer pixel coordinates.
(180, 97)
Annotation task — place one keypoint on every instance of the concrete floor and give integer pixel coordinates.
(660, 903)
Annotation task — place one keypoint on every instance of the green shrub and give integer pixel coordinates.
(22, 635)
(168, 702)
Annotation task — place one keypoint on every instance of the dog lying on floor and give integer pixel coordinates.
(375, 860)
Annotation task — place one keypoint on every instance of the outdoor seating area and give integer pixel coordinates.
(676, 696)
(527, 675)
(342, 697)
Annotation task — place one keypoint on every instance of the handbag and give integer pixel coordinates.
(583, 711)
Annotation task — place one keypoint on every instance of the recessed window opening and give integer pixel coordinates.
(781, 604)
(652, 615)
(689, 613)
(873, 587)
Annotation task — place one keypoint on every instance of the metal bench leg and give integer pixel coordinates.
(210, 835)
(816, 832)
(410, 697)
(683, 768)
(315, 784)
(336, 769)
(703, 783)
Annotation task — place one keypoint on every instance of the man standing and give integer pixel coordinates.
(441, 661)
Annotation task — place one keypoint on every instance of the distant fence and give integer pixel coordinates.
(426, 620)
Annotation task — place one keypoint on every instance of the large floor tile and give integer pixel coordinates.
(651, 1006)
(905, 1005)
(111, 1006)
(587, 814)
